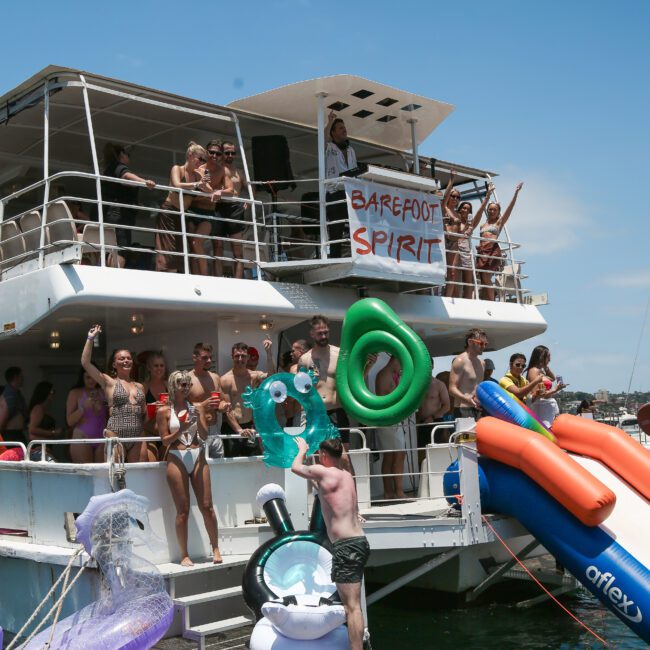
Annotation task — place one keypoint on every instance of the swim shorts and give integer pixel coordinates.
(349, 558)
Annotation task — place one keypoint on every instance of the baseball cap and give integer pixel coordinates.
(489, 364)
(252, 352)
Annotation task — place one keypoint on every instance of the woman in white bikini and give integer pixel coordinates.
(489, 258)
(465, 231)
(452, 222)
(183, 431)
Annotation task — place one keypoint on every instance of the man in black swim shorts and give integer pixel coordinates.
(338, 497)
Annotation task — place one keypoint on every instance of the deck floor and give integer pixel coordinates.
(223, 641)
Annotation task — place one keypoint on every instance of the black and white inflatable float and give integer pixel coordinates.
(287, 583)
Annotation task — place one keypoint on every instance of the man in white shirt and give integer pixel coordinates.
(339, 157)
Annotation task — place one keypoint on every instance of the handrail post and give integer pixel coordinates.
(249, 186)
(322, 211)
(181, 205)
(98, 184)
(46, 171)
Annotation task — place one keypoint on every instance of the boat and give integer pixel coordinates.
(57, 277)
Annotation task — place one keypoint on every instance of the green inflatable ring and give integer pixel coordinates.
(371, 326)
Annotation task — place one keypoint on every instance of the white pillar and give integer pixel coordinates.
(321, 174)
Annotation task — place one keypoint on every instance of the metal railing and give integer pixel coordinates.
(274, 236)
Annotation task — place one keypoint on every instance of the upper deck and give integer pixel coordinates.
(58, 240)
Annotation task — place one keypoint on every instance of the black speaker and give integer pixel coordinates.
(271, 162)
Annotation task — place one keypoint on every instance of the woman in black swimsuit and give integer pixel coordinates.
(125, 400)
(41, 425)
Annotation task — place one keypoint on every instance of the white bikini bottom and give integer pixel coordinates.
(188, 457)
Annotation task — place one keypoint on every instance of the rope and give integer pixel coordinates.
(546, 591)
(49, 593)
(58, 604)
(58, 612)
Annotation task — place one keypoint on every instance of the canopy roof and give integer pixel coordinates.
(373, 112)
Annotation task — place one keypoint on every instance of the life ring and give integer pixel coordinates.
(279, 447)
(371, 326)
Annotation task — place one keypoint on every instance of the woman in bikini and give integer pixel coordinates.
(189, 176)
(465, 231)
(489, 258)
(86, 414)
(154, 385)
(183, 431)
(125, 399)
(452, 222)
(544, 404)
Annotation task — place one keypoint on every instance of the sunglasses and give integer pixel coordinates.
(202, 160)
(519, 365)
(185, 384)
(479, 342)
(230, 153)
(215, 153)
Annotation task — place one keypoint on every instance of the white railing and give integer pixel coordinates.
(275, 236)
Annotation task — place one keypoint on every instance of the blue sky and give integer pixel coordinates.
(555, 94)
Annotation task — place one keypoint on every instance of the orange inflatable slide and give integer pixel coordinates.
(611, 446)
(545, 463)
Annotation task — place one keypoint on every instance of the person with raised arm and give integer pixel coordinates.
(339, 157)
(126, 401)
(338, 498)
(452, 222)
(464, 256)
(183, 430)
(489, 256)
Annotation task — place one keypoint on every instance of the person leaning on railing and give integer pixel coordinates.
(489, 256)
(188, 176)
(116, 160)
(464, 248)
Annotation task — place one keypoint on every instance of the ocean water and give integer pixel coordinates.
(405, 620)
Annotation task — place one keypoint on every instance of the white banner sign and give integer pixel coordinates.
(396, 233)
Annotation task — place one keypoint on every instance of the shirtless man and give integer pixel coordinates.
(322, 358)
(391, 440)
(217, 184)
(467, 372)
(435, 404)
(231, 211)
(234, 383)
(298, 348)
(338, 497)
(204, 382)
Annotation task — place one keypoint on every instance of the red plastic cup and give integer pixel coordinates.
(215, 393)
(163, 398)
(151, 411)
